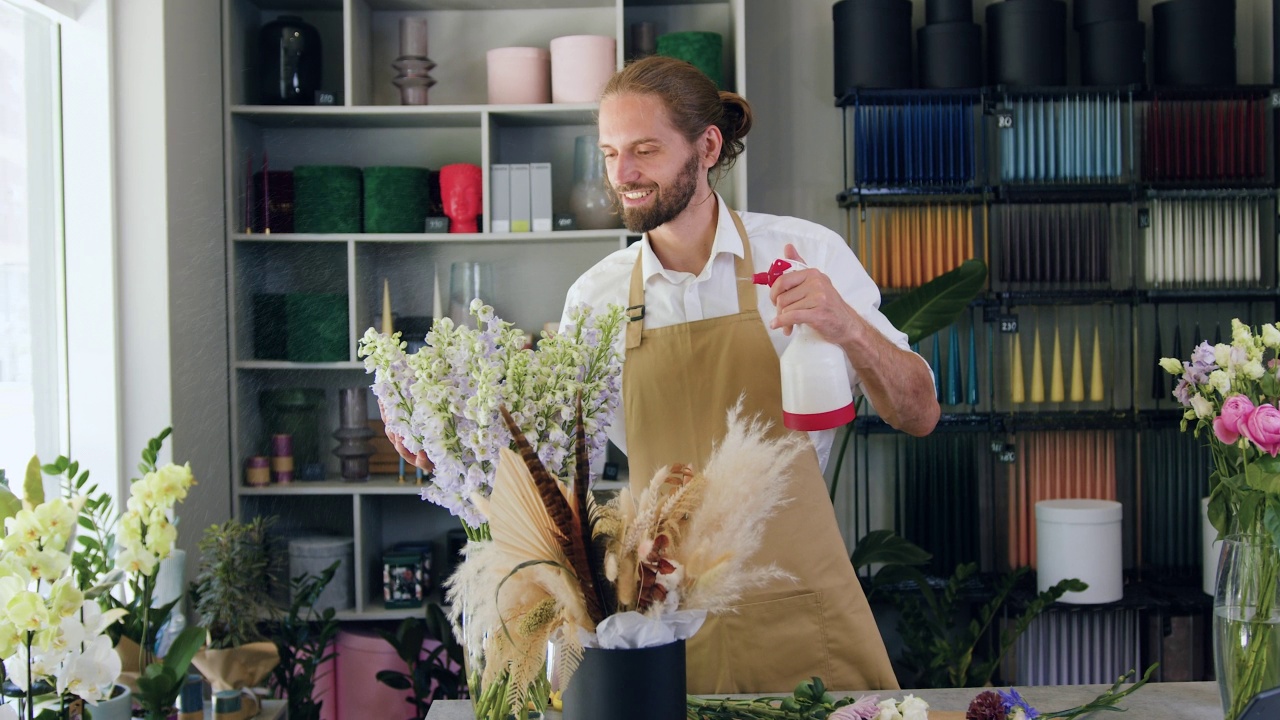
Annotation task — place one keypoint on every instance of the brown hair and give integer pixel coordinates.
(693, 102)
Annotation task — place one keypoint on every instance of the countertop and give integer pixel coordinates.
(1153, 701)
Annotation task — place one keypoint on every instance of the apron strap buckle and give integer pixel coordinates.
(635, 313)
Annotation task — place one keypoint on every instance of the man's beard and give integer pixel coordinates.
(668, 202)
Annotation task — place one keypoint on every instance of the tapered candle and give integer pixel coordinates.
(973, 367)
(1037, 370)
(954, 380)
(1095, 378)
(1077, 369)
(436, 305)
(1017, 389)
(1057, 393)
(386, 307)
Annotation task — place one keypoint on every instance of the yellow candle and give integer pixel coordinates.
(1057, 393)
(386, 306)
(1017, 391)
(1077, 370)
(1037, 370)
(1095, 382)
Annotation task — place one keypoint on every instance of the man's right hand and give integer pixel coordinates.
(418, 460)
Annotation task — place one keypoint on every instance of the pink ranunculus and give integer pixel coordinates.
(1229, 423)
(1262, 427)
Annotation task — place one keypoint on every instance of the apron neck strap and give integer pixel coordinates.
(743, 268)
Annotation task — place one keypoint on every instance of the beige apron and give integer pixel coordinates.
(677, 383)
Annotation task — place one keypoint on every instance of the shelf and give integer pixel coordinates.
(290, 365)
(421, 5)
(1063, 297)
(412, 116)
(1066, 192)
(440, 238)
(1193, 295)
(905, 194)
(376, 610)
(377, 485)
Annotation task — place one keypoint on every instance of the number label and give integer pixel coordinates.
(1275, 99)
(1008, 455)
(1004, 120)
(1144, 218)
(1008, 324)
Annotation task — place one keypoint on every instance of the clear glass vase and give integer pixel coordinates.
(590, 198)
(1246, 620)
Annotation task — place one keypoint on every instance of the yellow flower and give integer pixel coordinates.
(171, 483)
(57, 521)
(1270, 335)
(65, 598)
(1240, 332)
(161, 537)
(1173, 366)
(136, 559)
(557, 700)
(23, 527)
(48, 564)
(27, 611)
(1253, 370)
(10, 638)
(130, 531)
(1221, 381)
(1222, 354)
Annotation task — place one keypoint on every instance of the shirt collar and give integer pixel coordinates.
(727, 240)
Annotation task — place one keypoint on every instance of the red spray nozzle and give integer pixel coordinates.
(775, 271)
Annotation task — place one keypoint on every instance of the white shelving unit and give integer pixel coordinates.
(367, 127)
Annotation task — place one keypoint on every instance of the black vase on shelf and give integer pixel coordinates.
(289, 62)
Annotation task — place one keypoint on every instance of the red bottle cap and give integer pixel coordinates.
(775, 271)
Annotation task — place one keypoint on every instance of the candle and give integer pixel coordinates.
(436, 312)
(386, 307)
(1077, 369)
(1017, 389)
(1095, 380)
(1056, 391)
(1037, 370)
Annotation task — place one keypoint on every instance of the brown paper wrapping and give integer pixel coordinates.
(129, 669)
(236, 668)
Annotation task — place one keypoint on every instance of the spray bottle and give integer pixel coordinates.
(815, 379)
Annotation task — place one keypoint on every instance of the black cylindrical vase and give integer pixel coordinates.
(639, 684)
(948, 11)
(1087, 12)
(1113, 53)
(1026, 42)
(289, 62)
(872, 44)
(1195, 42)
(950, 55)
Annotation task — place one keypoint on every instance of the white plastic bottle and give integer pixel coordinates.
(815, 380)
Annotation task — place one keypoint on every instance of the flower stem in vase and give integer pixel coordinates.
(1249, 628)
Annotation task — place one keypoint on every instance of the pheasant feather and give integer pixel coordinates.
(562, 517)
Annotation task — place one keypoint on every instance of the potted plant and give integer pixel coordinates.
(436, 676)
(304, 639)
(230, 598)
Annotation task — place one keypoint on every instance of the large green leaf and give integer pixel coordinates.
(938, 303)
(33, 487)
(886, 546)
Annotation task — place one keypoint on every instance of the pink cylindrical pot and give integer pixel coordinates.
(361, 654)
(580, 67)
(519, 75)
(324, 690)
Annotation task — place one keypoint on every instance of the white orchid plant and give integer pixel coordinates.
(52, 635)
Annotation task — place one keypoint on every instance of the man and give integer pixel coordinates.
(701, 336)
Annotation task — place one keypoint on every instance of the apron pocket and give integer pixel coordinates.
(777, 643)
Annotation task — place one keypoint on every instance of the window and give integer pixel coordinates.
(32, 327)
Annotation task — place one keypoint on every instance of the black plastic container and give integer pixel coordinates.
(641, 684)
(1113, 53)
(1087, 12)
(1195, 42)
(1026, 42)
(948, 11)
(950, 55)
(872, 44)
(289, 62)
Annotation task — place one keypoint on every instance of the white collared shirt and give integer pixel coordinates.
(674, 297)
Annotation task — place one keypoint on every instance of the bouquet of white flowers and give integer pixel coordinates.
(444, 398)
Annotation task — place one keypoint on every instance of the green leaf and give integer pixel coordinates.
(184, 647)
(1264, 474)
(10, 504)
(886, 546)
(33, 487)
(938, 303)
(396, 680)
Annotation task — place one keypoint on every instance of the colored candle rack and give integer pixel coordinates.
(1174, 474)
(1053, 244)
(1209, 242)
(1063, 365)
(941, 483)
(914, 141)
(907, 246)
(1205, 141)
(1066, 139)
(1049, 466)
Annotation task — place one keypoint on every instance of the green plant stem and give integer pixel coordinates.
(1249, 675)
(144, 647)
(31, 704)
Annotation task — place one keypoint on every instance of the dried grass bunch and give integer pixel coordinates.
(558, 563)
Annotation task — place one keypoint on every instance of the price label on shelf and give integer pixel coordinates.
(1144, 218)
(1275, 99)
(1008, 455)
(1004, 119)
(997, 446)
(1008, 323)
